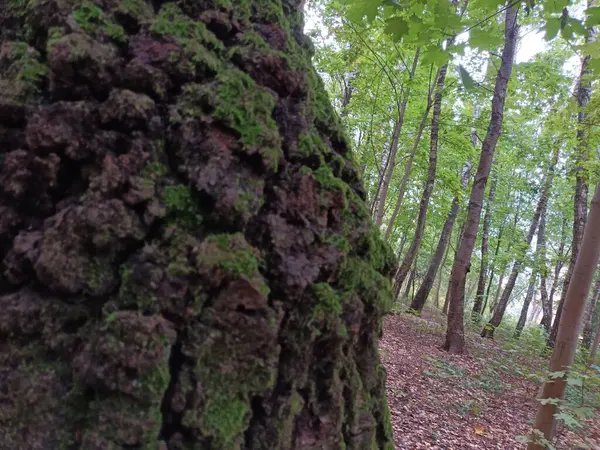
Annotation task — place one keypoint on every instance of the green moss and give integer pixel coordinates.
(236, 259)
(181, 205)
(98, 275)
(248, 109)
(198, 42)
(327, 302)
(359, 276)
(54, 35)
(92, 20)
(226, 419)
(138, 9)
(26, 66)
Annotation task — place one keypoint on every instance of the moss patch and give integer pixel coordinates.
(181, 204)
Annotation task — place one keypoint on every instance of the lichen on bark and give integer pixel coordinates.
(186, 258)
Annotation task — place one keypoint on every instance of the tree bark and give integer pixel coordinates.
(455, 339)
(479, 295)
(546, 303)
(588, 327)
(171, 274)
(570, 325)
(584, 94)
(440, 277)
(540, 210)
(391, 163)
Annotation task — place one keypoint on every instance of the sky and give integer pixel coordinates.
(531, 42)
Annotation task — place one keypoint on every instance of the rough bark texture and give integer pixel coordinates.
(481, 282)
(186, 257)
(584, 94)
(590, 315)
(540, 210)
(455, 339)
(570, 326)
(441, 251)
(391, 163)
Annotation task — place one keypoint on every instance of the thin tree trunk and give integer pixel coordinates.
(546, 305)
(492, 269)
(408, 169)
(411, 254)
(478, 304)
(526, 303)
(588, 327)
(447, 297)
(439, 278)
(348, 90)
(547, 320)
(441, 250)
(488, 330)
(391, 163)
(570, 325)
(584, 94)
(455, 339)
(594, 348)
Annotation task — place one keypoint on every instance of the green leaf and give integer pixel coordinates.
(397, 27)
(357, 10)
(557, 374)
(466, 78)
(574, 381)
(593, 16)
(568, 419)
(552, 27)
(484, 39)
(577, 27)
(436, 56)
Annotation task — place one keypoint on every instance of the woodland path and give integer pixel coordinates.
(482, 400)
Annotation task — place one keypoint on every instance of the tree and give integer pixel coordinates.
(540, 209)
(563, 353)
(391, 158)
(479, 296)
(584, 94)
(441, 251)
(455, 340)
(590, 313)
(186, 252)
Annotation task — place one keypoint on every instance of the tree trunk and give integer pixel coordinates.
(441, 251)
(440, 277)
(540, 210)
(478, 305)
(588, 327)
(570, 325)
(455, 339)
(391, 163)
(158, 286)
(411, 254)
(584, 94)
(526, 303)
(546, 303)
(408, 169)
(595, 344)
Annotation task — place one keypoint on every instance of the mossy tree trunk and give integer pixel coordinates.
(187, 259)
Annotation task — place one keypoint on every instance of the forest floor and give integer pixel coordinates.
(482, 400)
